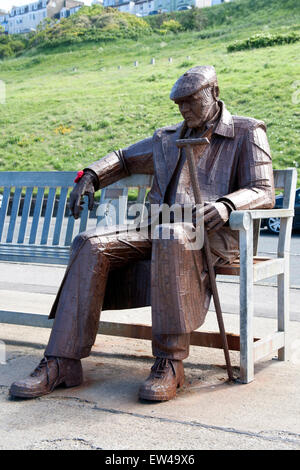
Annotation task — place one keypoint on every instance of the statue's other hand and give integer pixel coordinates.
(85, 186)
(216, 214)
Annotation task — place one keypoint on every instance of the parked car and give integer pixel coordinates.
(188, 7)
(273, 224)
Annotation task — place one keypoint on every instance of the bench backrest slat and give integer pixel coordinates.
(25, 214)
(36, 215)
(286, 180)
(69, 232)
(84, 215)
(14, 213)
(60, 215)
(48, 214)
(4, 205)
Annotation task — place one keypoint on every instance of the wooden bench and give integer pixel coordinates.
(35, 227)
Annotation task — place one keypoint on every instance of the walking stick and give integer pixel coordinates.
(188, 144)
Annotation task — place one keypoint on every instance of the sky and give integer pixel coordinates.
(7, 4)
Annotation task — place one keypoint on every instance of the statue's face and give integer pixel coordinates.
(198, 108)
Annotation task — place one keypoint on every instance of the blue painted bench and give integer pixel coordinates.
(35, 227)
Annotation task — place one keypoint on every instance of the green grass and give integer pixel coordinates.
(237, 14)
(71, 106)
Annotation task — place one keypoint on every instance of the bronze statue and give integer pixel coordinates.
(111, 269)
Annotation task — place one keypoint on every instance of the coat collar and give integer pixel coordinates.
(225, 126)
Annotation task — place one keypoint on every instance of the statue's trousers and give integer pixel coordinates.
(180, 293)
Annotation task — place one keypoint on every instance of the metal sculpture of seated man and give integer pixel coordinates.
(234, 172)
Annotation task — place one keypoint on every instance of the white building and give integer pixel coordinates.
(110, 3)
(126, 6)
(26, 18)
(217, 2)
(69, 8)
(4, 20)
(146, 7)
(143, 7)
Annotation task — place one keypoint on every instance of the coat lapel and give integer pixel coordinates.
(167, 154)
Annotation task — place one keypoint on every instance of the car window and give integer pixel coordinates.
(297, 201)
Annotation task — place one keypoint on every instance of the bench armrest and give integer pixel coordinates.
(240, 219)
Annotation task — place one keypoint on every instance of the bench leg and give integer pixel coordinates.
(283, 283)
(283, 309)
(246, 305)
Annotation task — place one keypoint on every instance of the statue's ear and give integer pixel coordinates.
(216, 92)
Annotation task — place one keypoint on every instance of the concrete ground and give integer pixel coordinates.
(105, 412)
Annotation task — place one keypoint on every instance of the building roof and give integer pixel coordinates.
(55, 6)
(72, 4)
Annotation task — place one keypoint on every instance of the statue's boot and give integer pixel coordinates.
(50, 373)
(165, 377)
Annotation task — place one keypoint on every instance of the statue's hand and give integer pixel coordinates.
(84, 186)
(216, 214)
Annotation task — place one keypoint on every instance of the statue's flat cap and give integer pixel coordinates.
(193, 80)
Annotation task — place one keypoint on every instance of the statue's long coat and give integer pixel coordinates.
(235, 168)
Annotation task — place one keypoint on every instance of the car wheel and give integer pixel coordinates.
(274, 225)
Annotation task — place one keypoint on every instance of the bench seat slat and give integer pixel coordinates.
(34, 253)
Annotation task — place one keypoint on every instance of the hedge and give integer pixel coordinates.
(263, 40)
